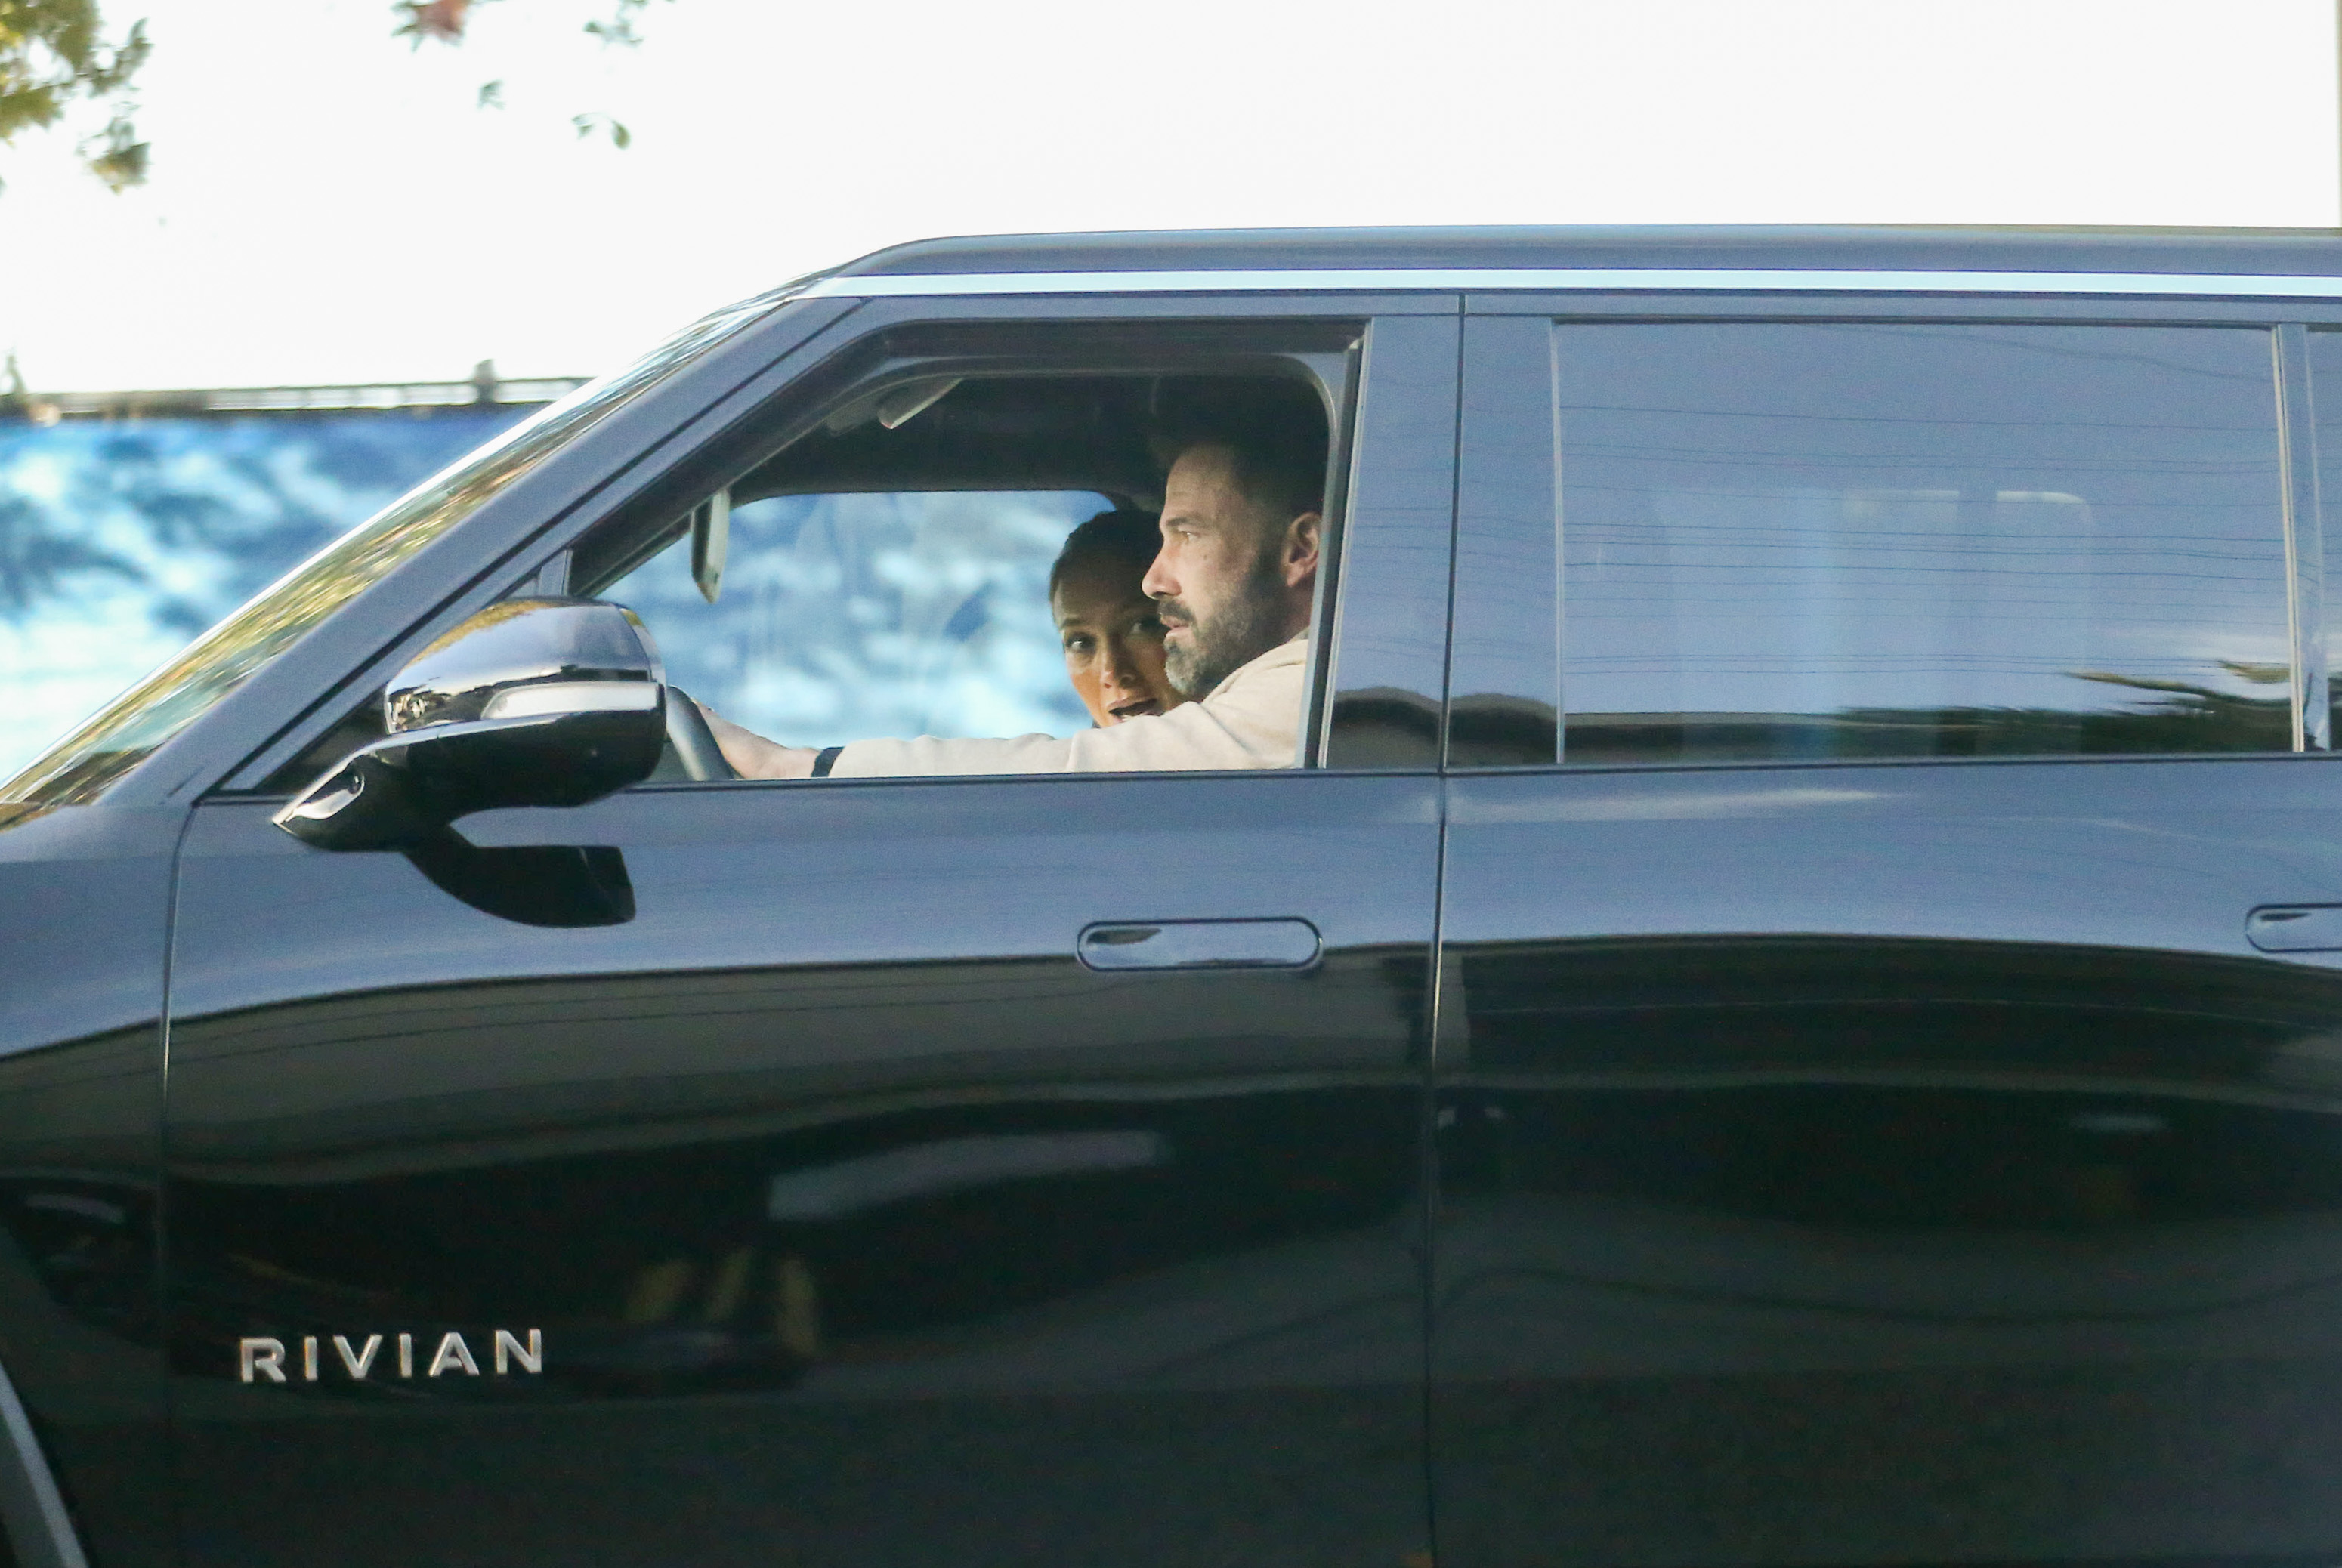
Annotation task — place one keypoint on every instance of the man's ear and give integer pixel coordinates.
(1299, 556)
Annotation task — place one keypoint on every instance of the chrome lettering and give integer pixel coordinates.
(262, 1358)
(264, 1355)
(531, 1360)
(452, 1353)
(358, 1364)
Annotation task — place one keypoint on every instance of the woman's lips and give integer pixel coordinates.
(1142, 708)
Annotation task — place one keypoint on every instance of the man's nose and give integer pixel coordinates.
(1158, 583)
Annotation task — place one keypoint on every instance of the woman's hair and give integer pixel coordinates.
(1123, 535)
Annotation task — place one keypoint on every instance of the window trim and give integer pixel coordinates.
(853, 350)
(2305, 552)
(1631, 280)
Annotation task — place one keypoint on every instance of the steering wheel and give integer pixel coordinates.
(694, 743)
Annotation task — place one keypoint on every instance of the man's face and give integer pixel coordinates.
(1231, 582)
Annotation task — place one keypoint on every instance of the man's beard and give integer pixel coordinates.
(1216, 647)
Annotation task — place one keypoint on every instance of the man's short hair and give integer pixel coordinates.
(1125, 536)
(1274, 431)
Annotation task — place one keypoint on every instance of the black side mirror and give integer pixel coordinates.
(532, 702)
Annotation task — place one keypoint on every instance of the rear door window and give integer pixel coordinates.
(1794, 541)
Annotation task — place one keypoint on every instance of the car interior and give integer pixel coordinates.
(874, 561)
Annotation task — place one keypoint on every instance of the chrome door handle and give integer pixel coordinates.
(2295, 928)
(1199, 944)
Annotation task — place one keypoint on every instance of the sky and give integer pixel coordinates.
(328, 204)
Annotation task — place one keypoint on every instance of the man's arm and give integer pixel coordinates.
(1252, 720)
(753, 756)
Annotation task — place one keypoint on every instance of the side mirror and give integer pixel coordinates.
(532, 702)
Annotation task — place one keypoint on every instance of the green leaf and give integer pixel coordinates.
(51, 56)
(120, 159)
(586, 124)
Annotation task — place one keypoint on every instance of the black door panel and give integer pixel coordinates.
(861, 1221)
(1887, 1165)
(84, 907)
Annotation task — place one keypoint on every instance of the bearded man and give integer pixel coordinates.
(1235, 581)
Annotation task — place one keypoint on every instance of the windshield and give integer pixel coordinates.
(122, 734)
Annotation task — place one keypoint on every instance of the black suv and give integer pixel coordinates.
(1786, 1011)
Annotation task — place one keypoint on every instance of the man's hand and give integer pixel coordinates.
(753, 756)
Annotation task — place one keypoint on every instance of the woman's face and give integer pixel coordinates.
(1114, 642)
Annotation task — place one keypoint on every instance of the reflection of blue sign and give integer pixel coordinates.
(848, 617)
(121, 539)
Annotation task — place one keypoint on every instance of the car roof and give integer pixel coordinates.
(2299, 253)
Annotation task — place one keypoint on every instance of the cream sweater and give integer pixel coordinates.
(1251, 719)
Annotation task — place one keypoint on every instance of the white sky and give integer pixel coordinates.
(327, 205)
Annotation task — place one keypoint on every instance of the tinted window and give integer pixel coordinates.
(1793, 542)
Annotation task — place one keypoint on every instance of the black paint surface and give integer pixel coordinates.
(863, 1224)
(1887, 1165)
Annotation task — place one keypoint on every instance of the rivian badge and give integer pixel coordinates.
(261, 1357)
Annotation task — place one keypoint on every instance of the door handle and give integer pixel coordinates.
(1199, 944)
(2295, 928)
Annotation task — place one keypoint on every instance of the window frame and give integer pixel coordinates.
(668, 450)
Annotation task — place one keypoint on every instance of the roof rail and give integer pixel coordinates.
(483, 390)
